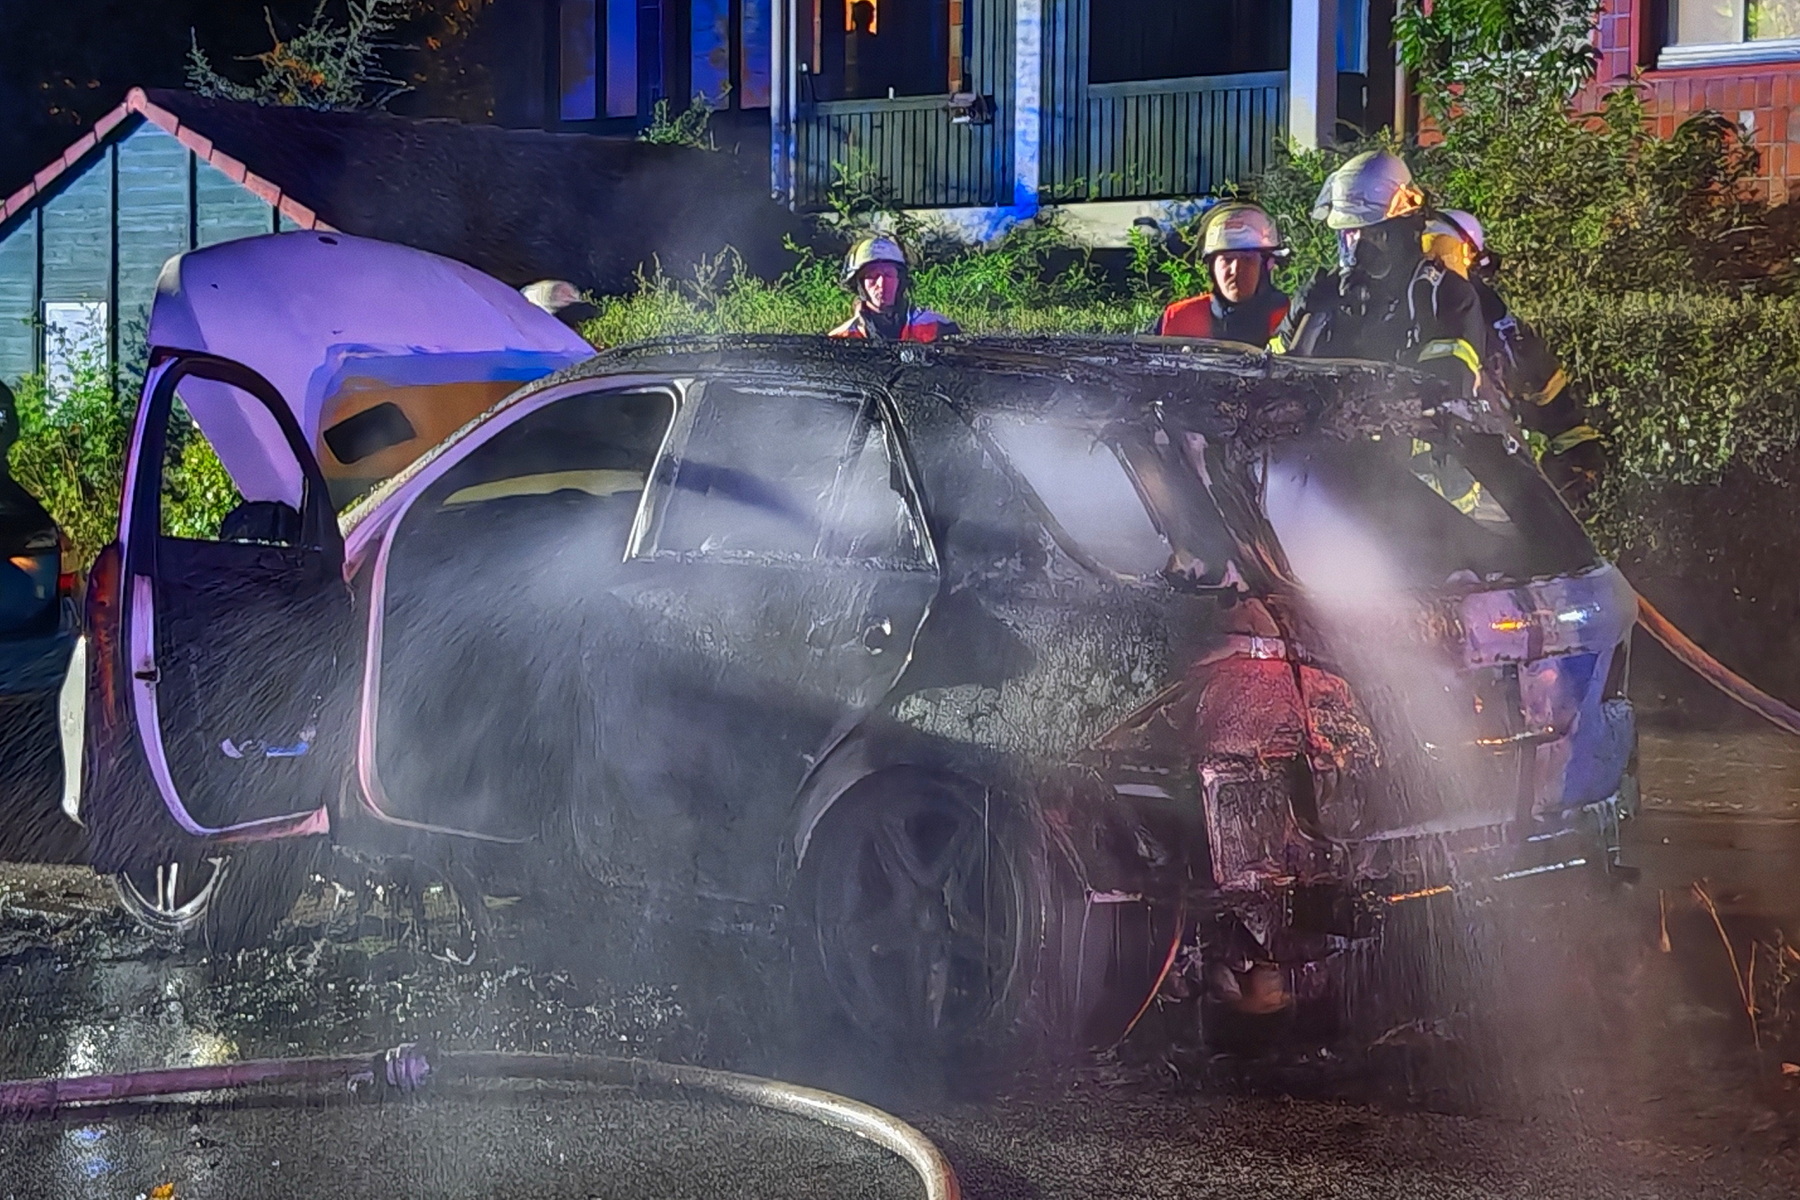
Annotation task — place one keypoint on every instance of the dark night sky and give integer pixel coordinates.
(64, 63)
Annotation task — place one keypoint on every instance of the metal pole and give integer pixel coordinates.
(782, 95)
(1312, 73)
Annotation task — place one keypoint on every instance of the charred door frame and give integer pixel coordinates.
(140, 523)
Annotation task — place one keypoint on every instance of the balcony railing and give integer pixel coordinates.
(1166, 137)
(909, 144)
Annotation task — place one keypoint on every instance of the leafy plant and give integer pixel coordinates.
(1033, 280)
(326, 64)
(71, 448)
(1451, 44)
(690, 127)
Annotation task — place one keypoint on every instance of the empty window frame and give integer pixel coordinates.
(1137, 40)
(871, 49)
(769, 474)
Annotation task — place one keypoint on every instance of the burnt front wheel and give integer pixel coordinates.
(920, 915)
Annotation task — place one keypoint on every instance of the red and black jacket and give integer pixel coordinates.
(1206, 316)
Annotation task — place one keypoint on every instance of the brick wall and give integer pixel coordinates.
(1763, 97)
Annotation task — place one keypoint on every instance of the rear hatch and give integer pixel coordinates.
(1474, 621)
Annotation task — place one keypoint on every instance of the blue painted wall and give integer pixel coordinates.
(107, 229)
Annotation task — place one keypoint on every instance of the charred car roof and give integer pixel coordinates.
(1229, 392)
(1223, 390)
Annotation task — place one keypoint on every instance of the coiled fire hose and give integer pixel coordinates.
(406, 1068)
(1691, 656)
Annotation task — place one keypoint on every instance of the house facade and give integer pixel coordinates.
(1736, 57)
(976, 113)
(983, 111)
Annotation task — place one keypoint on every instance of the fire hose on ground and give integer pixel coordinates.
(1691, 656)
(406, 1068)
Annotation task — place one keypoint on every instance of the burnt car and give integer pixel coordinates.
(1003, 683)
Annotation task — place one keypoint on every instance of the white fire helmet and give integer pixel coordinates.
(1454, 222)
(552, 295)
(873, 249)
(1370, 188)
(1239, 225)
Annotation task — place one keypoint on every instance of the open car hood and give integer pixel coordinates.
(294, 306)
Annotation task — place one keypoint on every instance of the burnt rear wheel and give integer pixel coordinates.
(921, 911)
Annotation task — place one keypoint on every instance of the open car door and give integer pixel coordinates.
(221, 636)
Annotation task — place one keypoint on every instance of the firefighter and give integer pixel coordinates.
(1239, 246)
(1386, 300)
(1519, 361)
(876, 274)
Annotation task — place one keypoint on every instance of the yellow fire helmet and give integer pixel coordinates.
(1455, 239)
(1457, 223)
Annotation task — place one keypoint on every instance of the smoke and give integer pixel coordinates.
(1467, 994)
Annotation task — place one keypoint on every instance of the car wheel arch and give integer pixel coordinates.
(878, 754)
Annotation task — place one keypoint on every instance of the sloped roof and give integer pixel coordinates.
(519, 204)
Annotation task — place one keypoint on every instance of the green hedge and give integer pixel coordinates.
(1030, 282)
(1684, 389)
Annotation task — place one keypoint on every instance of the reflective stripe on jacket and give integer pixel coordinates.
(922, 325)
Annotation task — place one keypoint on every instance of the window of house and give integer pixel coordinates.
(869, 49)
(1697, 32)
(1132, 40)
(76, 348)
(728, 52)
(597, 59)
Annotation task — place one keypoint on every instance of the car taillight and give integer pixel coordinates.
(66, 575)
(39, 569)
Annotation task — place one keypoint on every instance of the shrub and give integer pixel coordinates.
(323, 65)
(70, 454)
(1683, 390)
(689, 127)
(71, 449)
(1033, 280)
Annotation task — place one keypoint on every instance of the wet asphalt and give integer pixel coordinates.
(1590, 1062)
